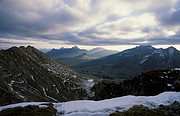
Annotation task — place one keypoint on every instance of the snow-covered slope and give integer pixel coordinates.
(105, 107)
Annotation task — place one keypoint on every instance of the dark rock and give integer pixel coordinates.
(149, 83)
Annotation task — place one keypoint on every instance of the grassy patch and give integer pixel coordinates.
(30, 110)
(172, 110)
(138, 111)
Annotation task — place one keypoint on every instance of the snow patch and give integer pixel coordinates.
(47, 95)
(74, 76)
(23, 105)
(10, 85)
(144, 59)
(176, 68)
(57, 91)
(165, 72)
(160, 52)
(19, 74)
(90, 80)
(32, 77)
(161, 77)
(169, 85)
(87, 85)
(105, 107)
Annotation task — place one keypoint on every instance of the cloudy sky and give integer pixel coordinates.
(89, 23)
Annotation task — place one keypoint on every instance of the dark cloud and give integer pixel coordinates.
(32, 21)
(172, 18)
(164, 41)
(62, 21)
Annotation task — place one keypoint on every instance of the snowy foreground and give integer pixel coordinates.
(105, 107)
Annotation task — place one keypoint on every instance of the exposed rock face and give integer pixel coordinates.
(27, 74)
(149, 83)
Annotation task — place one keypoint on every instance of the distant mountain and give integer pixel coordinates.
(75, 51)
(132, 62)
(66, 52)
(74, 56)
(26, 74)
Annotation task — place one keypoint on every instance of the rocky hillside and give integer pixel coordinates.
(27, 74)
(149, 83)
(132, 62)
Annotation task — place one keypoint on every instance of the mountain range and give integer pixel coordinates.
(26, 74)
(74, 56)
(75, 51)
(132, 62)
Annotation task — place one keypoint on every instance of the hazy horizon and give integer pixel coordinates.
(118, 48)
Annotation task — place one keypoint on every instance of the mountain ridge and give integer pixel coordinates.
(65, 52)
(132, 62)
(75, 51)
(26, 74)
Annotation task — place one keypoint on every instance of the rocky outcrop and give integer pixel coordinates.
(149, 83)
